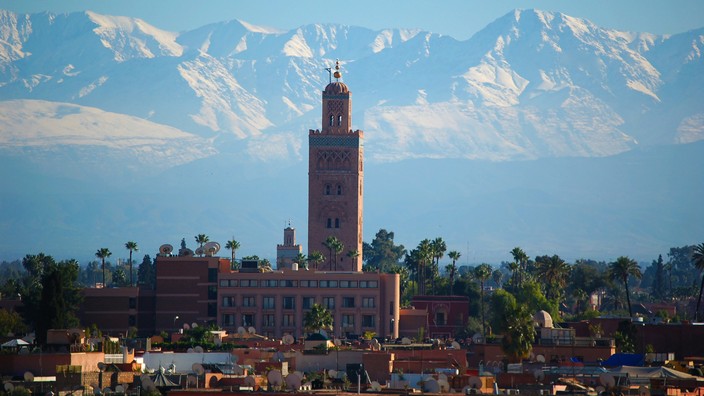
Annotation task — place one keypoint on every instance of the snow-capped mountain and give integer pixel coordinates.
(111, 128)
(531, 84)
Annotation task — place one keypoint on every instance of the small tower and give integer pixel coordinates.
(335, 180)
(286, 253)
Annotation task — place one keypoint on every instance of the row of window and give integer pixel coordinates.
(289, 320)
(289, 303)
(344, 284)
(329, 223)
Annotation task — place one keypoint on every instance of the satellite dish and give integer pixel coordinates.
(238, 370)
(186, 326)
(375, 345)
(539, 375)
(477, 338)
(431, 386)
(332, 373)
(9, 387)
(119, 389)
(406, 341)
(475, 383)
(288, 339)
(293, 381)
(241, 330)
(275, 378)
(198, 368)
(540, 358)
(376, 386)
(107, 390)
(456, 345)
(166, 249)
(337, 342)
(172, 367)
(250, 381)
(643, 391)
(444, 385)
(599, 390)
(198, 349)
(251, 330)
(607, 380)
(442, 377)
(190, 350)
(186, 252)
(194, 325)
(28, 376)
(200, 251)
(211, 248)
(192, 380)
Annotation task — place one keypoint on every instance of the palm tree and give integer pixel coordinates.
(425, 255)
(353, 254)
(622, 269)
(518, 338)
(131, 246)
(316, 258)
(335, 246)
(102, 254)
(482, 272)
(202, 239)
(300, 259)
(317, 318)
(233, 245)
(553, 271)
(497, 276)
(521, 258)
(438, 248)
(454, 255)
(698, 261)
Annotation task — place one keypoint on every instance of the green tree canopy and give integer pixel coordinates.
(382, 253)
(318, 318)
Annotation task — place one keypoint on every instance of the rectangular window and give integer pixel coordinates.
(132, 303)
(325, 283)
(268, 320)
(348, 284)
(308, 302)
(247, 319)
(224, 283)
(268, 303)
(329, 302)
(213, 309)
(288, 320)
(289, 302)
(440, 319)
(212, 292)
(212, 275)
(287, 283)
(368, 302)
(368, 284)
(132, 320)
(270, 283)
(228, 319)
(368, 321)
(248, 302)
(347, 302)
(228, 301)
(347, 321)
(248, 283)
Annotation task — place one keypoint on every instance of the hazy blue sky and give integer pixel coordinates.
(457, 18)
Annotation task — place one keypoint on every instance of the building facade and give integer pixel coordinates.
(287, 252)
(335, 181)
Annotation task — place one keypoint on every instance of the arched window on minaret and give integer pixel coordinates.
(332, 120)
(329, 225)
(337, 223)
(339, 120)
(339, 189)
(328, 189)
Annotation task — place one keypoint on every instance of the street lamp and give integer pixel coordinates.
(175, 319)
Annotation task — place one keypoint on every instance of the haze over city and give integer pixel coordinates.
(514, 148)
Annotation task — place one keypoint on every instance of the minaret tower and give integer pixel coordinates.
(335, 180)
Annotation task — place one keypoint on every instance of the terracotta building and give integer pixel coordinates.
(335, 180)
